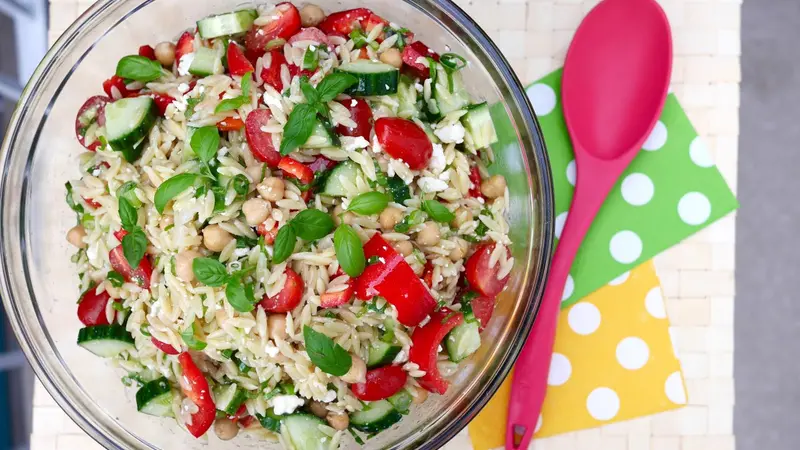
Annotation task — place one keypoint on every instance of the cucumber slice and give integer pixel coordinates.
(155, 398)
(374, 78)
(401, 401)
(381, 353)
(226, 24)
(206, 62)
(270, 420)
(431, 135)
(320, 137)
(128, 122)
(407, 97)
(304, 433)
(229, 397)
(449, 98)
(463, 341)
(347, 170)
(380, 416)
(478, 123)
(105, 340)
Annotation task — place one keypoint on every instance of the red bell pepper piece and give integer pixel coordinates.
(92, 307)
(230, 124)
(91, 203)
(296, 170)
(162, 101)
(475, 179)
(425, 349)
(482, 309)
(195, 387)
(164, 347)
(381, 383)
(411, 53)
(334, 299)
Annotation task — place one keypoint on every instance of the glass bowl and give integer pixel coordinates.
(39, 283)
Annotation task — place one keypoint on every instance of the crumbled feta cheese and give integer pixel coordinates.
(451, 133)
(329, 396)
(286, 404)
(350, 144)
(353, 103)
(183, 88)
(418, 87)
(376, 146)
(185, 63)
(271, 350)
(437, 162)
(180, 104)
(239, 252)
(429, 184)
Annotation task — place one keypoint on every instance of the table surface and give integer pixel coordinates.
(697, 276)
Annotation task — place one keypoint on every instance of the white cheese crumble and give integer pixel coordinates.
(353, 103)
(350, 143)
(329, 396)
(239, 252)
(418, 87)
(286, 404)
(271, 350)
(451, 133)
(185, 63)
(438, 161)
(428, 184)
(183, 88)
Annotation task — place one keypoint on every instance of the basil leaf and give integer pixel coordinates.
(415, 218)
(128, 192)
(134, 244)
(191, 341)
(210, 272)
(329, 356)
(247, 79)
(237, 296)
(227, 353)
(231, 104)
(308, 90)
(245, 242)
(334, 84)
(312, 224)
(349, 250)
(128, 214)
(170, 188)
(78, 208)
(205, 143)
(298, 128)
(115, 278)
(284, 244)
(369, 203)
(241, 184)
(310, 59)
(191, 104)
(399, 190)
(437, 211)
(138, 68)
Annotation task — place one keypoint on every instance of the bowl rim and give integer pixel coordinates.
(540, 258)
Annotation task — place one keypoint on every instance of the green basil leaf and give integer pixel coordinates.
(237, 296)
(230, 104)
(128, 214)
(205, 143)
(139, 68)
(334, 84)
(115, 278)
(191, 340)
(170, 188)
(247, 79)
(78, 208)
(308, 90)
(310, 59)
(245, 242)
(312, 224)
(210, 272)
(369, 203)
(415, 218)
(128, 191)
(437, 211)
(134, 244)
(241, 184)
(191, 104)
(284, 244)
(399, 189)
(298, 128)
(329, 356)
(227, 353)
(349, 250)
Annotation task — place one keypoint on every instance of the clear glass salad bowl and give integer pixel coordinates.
(39, 283)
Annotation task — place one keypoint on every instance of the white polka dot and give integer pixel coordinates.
(620, 279)
(694, 208)
(674, 389)
(603, 403)
(625, 247)
(543, 98)
(657, 138)
(637, 189)
(654, 303)
(560, 370)
(572, 172)
(699, 153)
(561, 219)
(632, 353)
(569, 288)
(584, 318)
(538, 424)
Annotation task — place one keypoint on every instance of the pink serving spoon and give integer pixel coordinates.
(615, 83)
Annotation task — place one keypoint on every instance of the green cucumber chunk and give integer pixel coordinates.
(270, 420)
(155, 398)
(374, 78)
(304, 433)
(345, 171)
(128, 122)
(381, 353)
(320, 137)
(463, 341)
(379, 416)
(407, 97)
(449, 91)
(401, 401)
(226, 24)
(229, 397)
(105, 340)
(478, 124)
(206, 62)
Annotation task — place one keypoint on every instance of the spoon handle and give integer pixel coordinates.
(595, 178)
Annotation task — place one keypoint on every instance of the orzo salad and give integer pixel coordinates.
(286, 224)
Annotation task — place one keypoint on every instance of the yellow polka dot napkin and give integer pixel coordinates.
(613, 360)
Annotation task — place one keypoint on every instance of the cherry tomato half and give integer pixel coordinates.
(296, 170)
(284, 26)
(481, 277)
(272, 74)
(361, 114)
(140, 276)
(115, 88)
(404, 140)
(475, 179)
(288, 298)
(411, 55)
(335, 299)
(91, 112)
(482, 309)
(381, 383)
(92, 307)
(237, 63)
(260, 142)
(343, 22)
(148, 52)
(195, 387)
(184, 46)
(269, 235)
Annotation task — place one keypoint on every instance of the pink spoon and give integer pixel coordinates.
(616, 78)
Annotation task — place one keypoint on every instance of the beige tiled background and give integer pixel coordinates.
(697, 276)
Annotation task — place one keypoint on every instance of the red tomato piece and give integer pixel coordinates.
(361, 114)
(322, 164)
(237, 63)
(427, 274)
(184, 46)
(481, 277)
(116, 85)
(288, 298)
(296, 169)
(269, 235)
(119, 234)
(92, 308)
(411, 53)
(306, 196)
(425, 349)
(230, 124)
(381, 383)
(482, 309)
(140, 276)
(313, 34)
(259, 141)
(393, 279)
(91, 203)
(162, 101)
(475, 179)
(284, 26)
(373, 21)
(272, 74)
(148, 52)
(164, 347)
(334, 299)
(195, 388)
(92, 111)
(404, 140)
(343, 22)
(296, 71)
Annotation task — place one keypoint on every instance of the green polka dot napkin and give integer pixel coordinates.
(670, 191)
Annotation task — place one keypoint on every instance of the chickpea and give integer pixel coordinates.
(494, 186)
(165, 53)
(255, 211)
(357, 372)
(311, 15)
(215, 238)
(404, 247)
(462, 216)
(255, 173)
(183, 265)
(390, 217)
(429, 234)
(276, 324)
(338, 421)
(75, 236)
(225, 428)
(340, 215)
(392, 57)
(422, 395)
(458, 253)
(271, 189)
(318, 409)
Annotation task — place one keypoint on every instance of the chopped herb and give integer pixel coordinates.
(191, 340)
(244, 368)
(78, 208)
(245, 242)
(227, 353)
(241, 185)
(117, 306)
(145, 330)
(373, 259)
(115, 278)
